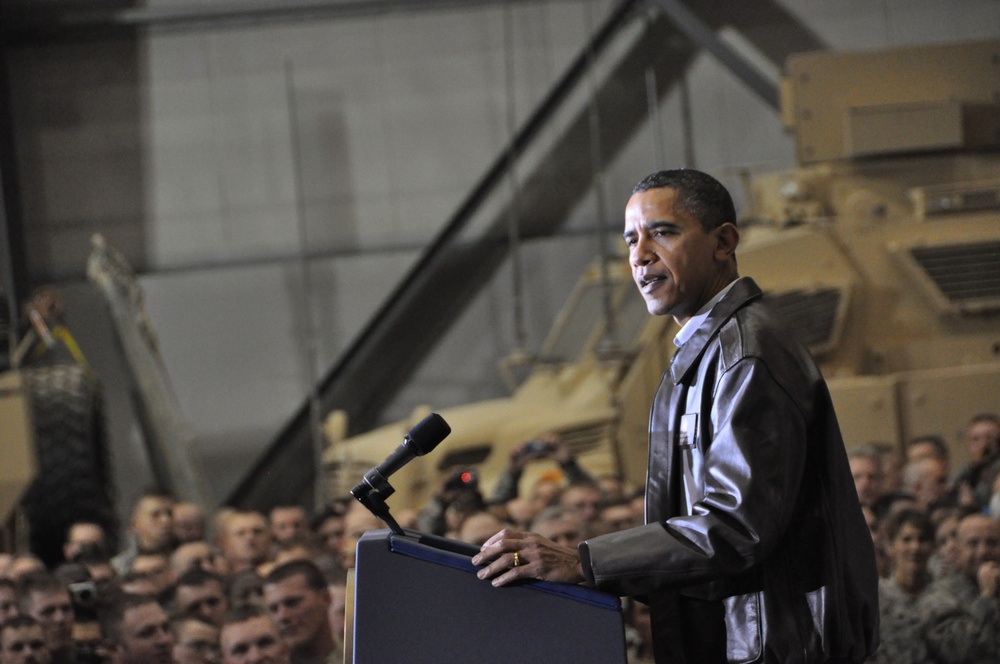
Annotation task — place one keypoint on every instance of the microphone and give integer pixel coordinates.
(419, 440)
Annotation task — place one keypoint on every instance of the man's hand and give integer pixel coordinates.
(535, 558)
(546, 446)
(989, 579)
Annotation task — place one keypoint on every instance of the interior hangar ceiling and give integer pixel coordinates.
(29, 20)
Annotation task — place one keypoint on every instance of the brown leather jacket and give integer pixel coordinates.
(755, 548)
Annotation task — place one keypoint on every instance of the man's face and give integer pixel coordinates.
(981, 440)
(909, 549)
(201, 555)
(246, 541)
(153, 522)
(867, 478)
(8, 603)
(357, 522)
(153, 567)
(52, 608)
(196, 643)
(189, 522)
(978, 542)
(288, 522)
(584, 502)
(933, 484)
(80, 535)
(87, 638)
(146, 636)
(920, 449)
(565, 531)
(299, 612)
(480, 527)
(24, 645)
(254, 641)
(330, 532)
(674, 262)
(946, 540)
(207, 600)
(338, 609)
(619, 517)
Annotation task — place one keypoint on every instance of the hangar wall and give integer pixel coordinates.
(217, 159)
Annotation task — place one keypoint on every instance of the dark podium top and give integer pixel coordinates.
(417, 599)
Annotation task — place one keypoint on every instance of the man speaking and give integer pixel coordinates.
(754, 548)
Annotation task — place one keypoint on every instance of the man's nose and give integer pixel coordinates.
(640, 254)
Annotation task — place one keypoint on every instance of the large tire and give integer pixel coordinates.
(72, 481)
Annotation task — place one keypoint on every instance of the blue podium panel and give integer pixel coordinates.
(417, 600)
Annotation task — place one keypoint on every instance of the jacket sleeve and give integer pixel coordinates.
(958, 631)
(753, 452)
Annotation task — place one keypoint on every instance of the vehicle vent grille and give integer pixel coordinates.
(968, 275)
(585, 437)
(471, 455)
(811, 314)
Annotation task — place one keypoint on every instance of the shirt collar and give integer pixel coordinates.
(693, 323)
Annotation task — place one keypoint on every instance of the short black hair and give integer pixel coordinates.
(914, 517)
(38, 582)
(20, 620)
(196, 576)
(935, 441)
(305, 568)
(698, 194)
(979, 418)
(243, 613)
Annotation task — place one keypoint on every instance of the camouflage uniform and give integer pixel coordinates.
(901, 640)
(960, 626)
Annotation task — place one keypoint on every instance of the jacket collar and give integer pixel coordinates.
(743, 291)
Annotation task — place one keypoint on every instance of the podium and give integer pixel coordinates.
(417, 600)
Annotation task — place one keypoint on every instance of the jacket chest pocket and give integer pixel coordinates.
(692, 461)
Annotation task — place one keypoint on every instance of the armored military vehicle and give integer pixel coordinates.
(882, 249)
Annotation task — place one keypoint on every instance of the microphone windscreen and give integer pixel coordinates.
(427, 433)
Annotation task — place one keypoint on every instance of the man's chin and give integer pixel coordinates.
(658, 308)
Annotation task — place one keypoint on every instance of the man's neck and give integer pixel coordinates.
(692, 323)
(316, 651)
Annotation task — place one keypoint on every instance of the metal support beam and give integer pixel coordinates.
(71, 22)
(12, 248)
(704, 36)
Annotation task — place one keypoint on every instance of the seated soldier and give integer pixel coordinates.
(298, 602)
(44, 597)
(196, 640)
(151, 529)
(199, 592)
(138, 629)
(249, 636)
(22, 641)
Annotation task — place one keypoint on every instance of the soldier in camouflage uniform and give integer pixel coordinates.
(909, 538)
(961, 613)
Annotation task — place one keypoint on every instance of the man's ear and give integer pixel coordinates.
(727, 239)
